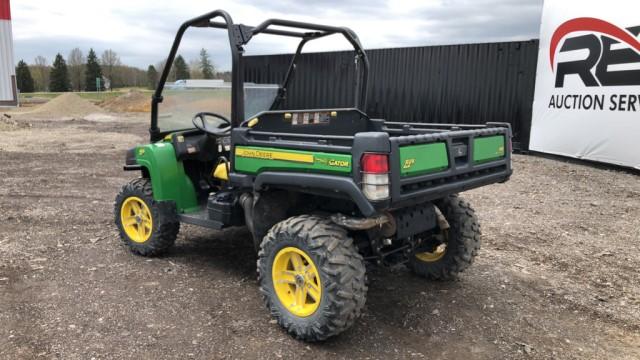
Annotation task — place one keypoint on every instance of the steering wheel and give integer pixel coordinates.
(200, 123)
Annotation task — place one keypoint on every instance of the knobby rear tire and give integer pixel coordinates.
(341, 269)
(462, 246)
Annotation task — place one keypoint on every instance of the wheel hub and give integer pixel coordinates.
(432, 256)
(434, 252)
(136, 219)
(296, 281)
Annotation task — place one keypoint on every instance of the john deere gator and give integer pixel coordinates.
(322, 191)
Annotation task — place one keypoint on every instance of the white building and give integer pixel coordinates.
(8, 91)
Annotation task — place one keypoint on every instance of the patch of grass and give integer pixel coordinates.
(41, 95)
(91, 96)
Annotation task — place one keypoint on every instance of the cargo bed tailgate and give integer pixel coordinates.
(429, 164)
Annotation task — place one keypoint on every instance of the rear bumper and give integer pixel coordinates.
(432, 188)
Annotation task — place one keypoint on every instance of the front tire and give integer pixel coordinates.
(311, 276)
(445, 255)
(147, 227)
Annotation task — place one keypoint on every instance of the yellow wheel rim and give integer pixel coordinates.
(136, 219)
(296, 281)
(434, 256)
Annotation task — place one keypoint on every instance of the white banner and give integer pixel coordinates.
(587, 97)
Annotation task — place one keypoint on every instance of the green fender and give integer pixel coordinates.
(168, 178)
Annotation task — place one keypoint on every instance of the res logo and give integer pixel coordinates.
(601, 41)
(408, 163)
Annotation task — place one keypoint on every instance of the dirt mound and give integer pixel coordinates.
(132, 101)
(67, 105)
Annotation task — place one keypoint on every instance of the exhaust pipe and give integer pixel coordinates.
(442, 221)
(355, 223)
(246, 201)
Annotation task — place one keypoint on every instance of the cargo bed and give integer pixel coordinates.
(427, 161)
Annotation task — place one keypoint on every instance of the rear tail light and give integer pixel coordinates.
(375, 176)
(375, 163)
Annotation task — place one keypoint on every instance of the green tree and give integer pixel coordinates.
(152, 77)
(181, 68)
(93, 71)
(205, 65)
(23, 77)
(59, 79)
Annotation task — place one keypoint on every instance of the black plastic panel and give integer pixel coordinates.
(345, 122)
(454, 84)
(414, 220)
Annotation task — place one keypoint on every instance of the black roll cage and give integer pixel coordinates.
(240, 35)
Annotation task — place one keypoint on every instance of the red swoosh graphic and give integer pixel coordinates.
(591, 24)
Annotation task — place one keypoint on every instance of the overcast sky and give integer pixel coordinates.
(141, 31)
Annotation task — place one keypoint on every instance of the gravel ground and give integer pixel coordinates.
(557, 276)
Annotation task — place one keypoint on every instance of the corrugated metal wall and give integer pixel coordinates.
(8, 94)
(473, 83)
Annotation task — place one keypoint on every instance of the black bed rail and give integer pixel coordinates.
(404, 128)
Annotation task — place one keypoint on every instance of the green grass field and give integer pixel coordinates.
(38, 95)
(91, 96)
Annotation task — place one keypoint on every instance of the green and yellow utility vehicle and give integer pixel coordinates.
(322, 191)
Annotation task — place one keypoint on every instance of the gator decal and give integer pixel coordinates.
(488, 148)
(423, 159)
(252, 159)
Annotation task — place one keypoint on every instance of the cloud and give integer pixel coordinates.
(142, 31)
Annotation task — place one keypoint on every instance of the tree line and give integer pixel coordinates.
(90, 73)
